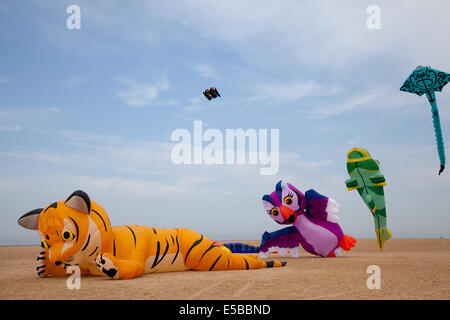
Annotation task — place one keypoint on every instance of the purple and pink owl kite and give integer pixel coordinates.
(314, 223)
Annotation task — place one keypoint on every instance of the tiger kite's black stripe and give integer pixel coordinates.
(213, 245)
(156, 262)
(87, 242)
(114, 247)
(134, 236)
(158, 248)
(154, 230)
(93, 251)
(246, 264)
(196, 243)
(213, 265)
(178, 250)
(76, 227)
(104, 224)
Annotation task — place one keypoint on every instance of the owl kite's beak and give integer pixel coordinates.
(288, 214)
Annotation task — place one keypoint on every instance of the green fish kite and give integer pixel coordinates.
(365, 176)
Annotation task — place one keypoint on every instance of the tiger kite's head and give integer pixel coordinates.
(72, 230)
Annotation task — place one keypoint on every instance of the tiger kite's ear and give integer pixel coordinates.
(79, 200)
(30, 220)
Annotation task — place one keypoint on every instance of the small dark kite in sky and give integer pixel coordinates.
(211, 93)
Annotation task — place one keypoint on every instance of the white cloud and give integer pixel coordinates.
(140, 94)
(292, 91)
(376, 97)
(32, 114)
(9, 127)
(17, 119)
(205, 70)
(72, 82)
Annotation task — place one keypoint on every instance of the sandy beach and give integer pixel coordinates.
(410, 269)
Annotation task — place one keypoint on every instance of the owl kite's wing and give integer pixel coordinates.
(321, 207)
(286, 238)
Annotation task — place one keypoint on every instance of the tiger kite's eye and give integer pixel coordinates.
(274, 212)
(67, 236)
(288, 200)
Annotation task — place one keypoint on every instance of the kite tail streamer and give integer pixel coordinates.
(237, 247)
(438, 131)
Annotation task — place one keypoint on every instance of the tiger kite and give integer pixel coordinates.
(78, 232)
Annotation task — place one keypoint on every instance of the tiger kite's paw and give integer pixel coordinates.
(42, 268)
(106, 265)
(46, 268)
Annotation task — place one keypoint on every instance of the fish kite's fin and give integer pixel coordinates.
(378, 180)
(351, 183)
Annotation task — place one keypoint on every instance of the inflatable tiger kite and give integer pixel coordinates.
(78, 232)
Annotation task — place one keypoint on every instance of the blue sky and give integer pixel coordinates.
(94, 109)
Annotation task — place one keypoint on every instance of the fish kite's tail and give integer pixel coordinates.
(382, 232)
(236, 247)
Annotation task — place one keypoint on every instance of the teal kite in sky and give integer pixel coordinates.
(365, 176)
(426, 80)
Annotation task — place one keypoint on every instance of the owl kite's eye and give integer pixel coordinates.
(67, 236)
(274, 212)
(288, 200)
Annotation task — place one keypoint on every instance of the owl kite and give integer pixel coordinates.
(313, 224)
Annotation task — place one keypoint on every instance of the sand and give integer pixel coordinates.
(410, 269)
